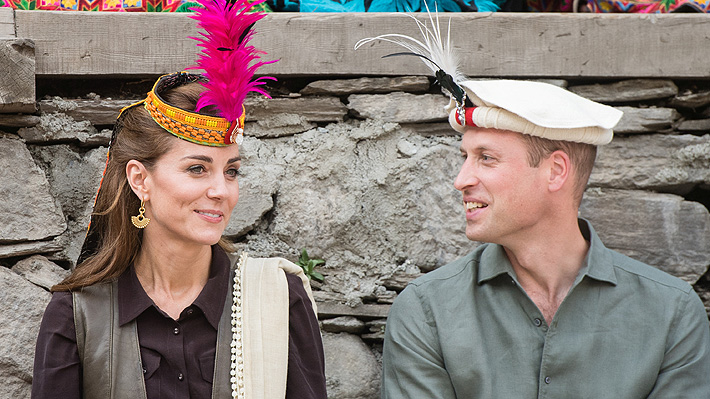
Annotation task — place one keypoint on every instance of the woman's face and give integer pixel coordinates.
(190, 193)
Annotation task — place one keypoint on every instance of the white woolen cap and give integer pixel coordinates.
(538, 109)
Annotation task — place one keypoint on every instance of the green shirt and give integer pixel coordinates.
(625, 330)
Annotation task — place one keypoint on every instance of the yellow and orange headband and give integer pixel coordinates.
(189, 125)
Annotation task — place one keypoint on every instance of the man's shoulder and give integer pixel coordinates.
(460, 271)
(627, 267)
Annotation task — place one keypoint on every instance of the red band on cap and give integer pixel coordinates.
(468, 120)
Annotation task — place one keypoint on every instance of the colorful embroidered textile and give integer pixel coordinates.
(385, 5)
(110, 5)
(648, 6)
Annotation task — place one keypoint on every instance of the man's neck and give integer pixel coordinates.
(548, 262)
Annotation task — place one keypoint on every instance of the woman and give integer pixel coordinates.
(154, 309)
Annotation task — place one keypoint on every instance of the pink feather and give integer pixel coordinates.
(229, 65)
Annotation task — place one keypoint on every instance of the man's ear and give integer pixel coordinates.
(138, 178)
(560, 169)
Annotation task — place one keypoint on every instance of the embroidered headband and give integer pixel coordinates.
(533, 108)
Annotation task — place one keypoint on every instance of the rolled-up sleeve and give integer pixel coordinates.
(412, 363)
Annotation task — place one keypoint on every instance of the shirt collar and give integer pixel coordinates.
(133, 300)
(597, 264)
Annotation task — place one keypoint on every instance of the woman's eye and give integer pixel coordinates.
(196, 169)
(232, 172)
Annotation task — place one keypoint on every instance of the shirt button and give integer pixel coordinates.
(176, 331)
(145, 371)
(547, 380)
(189, 311)
(538, 322)
(181, 377)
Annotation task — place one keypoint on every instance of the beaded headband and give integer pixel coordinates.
(191, 126)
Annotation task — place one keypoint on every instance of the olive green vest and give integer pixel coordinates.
(110, 355)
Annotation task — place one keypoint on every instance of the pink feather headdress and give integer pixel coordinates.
(228, 61)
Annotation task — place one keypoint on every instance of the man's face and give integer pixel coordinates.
(503, 196)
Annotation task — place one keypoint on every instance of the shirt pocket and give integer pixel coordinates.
(207, 367)
(151, 362)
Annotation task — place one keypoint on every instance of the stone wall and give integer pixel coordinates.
(357, 171)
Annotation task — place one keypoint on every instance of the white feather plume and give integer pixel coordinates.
(432, 46)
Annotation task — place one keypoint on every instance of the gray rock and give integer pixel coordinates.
(342, 87)
(74, 179)
(312, 109)
(691, 100)
(348, 195)
(40, 271)
(29, 248)
(646, 120)
(695, 125)
(28, 211)
(399, 107)
(627, 90)
(22, 305)
(656, 162)
(347, 324)
(278, 125)
(376, 330)
(57, 128)
(96, 111)
(351, 370)
(662, 230)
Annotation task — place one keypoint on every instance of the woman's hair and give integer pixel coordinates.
(138, 137)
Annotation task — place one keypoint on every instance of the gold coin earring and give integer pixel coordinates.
(140, 221)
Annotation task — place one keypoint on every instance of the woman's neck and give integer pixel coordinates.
(173, 276)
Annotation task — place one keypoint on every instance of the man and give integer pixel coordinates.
(543, 309)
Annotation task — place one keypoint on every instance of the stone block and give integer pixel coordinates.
(627, 90)
(58, 128)
(74, 179)
(29, 248)
(695, 125)
(96, 111)
(351, 370)
(22, 305)
(17, 74)
(40, 271)
(662, 230)
(691, 100)
(363, 311)
(343, 87)
(28, 212)
(646, 120)
(656, 162)
(312, 109)
(399, 107)
(347, 324)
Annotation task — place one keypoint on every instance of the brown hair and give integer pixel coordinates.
(581, 156)
(140, 138)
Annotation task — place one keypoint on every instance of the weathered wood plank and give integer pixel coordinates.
(492, 45)
(17, 74)
(7, 22)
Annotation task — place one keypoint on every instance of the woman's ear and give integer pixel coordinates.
(138, 179)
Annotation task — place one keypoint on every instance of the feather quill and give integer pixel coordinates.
(228, 61)
(434, 50)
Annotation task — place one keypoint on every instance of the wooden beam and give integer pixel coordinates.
(7, 22)
(17, 74)
(489, 44)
